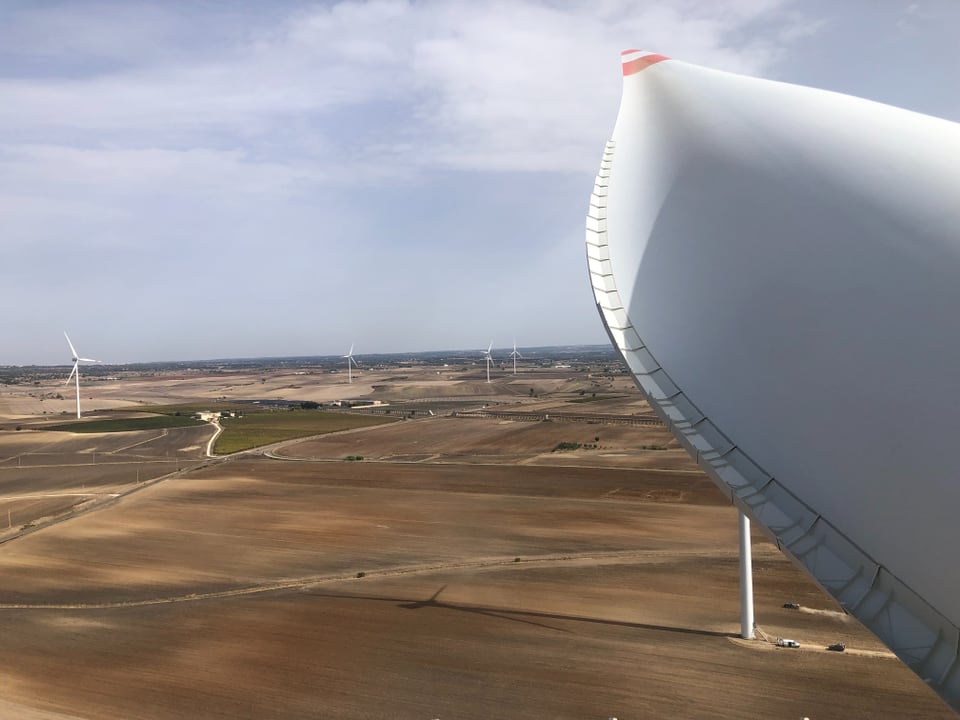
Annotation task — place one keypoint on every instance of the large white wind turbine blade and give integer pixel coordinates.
(89, 360)
(73, 350)
(72, 373)
(779, 267)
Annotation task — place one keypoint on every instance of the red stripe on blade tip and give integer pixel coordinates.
(632, 67)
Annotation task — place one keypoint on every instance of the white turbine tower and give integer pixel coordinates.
(489, 358)
(75, 373)
(515, 354)
(351, 363)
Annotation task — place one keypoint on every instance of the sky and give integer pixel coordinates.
(229, 178)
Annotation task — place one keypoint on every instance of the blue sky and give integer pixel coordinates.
(186, 180)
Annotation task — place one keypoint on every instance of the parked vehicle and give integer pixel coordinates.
(787, 643)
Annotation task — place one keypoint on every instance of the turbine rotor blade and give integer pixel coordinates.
(72, 348)
(72, 373)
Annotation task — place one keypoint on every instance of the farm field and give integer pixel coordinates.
(237, 590)
(265, 428)
(480, 440)
(130, 424)
(465, 568)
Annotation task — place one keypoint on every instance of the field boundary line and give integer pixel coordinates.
(603, 557)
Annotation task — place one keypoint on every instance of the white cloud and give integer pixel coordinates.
(432, 149)
(123, 171)
(467, 85)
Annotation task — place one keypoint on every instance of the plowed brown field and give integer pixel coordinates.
(488, 591)
(465, 570)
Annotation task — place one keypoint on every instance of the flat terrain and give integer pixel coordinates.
(552, 389)
(481, 440)
(464, 569)
(45, 475)
(265, 428)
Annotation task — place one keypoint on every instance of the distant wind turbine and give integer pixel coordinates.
(351, 363)
(515, 355)
(75, 373)
(489, 358)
